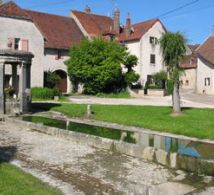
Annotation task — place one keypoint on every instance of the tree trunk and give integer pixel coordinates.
(176, 98)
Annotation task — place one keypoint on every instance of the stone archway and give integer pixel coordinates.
(62, 86)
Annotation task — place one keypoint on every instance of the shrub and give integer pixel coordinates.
(42, 93)
(160, 78)
(169, 87)
(51, 79)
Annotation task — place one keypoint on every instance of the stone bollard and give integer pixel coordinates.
(89, 111)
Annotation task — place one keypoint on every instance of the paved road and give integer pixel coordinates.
(188, 99)
(76, 168)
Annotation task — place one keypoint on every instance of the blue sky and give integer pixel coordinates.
(195, 21)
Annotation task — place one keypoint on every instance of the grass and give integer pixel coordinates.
(14, 181)
(194, 122)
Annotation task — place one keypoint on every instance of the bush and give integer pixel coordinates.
(169, 87)
(42, 93)
(51, 79)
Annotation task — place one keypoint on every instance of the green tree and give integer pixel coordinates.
(51, 79)
(97, 65)
(130, 76)
(173, 47)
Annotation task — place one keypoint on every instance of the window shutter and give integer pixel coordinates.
(24, 44)
(11, 43)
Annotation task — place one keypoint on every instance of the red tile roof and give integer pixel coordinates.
(190, 61)
(206, 50)
(95, 25)
(60, 32)
(139, 30)
(12, 10)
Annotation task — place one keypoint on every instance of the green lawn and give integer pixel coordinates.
(194, 122)
(14, 181)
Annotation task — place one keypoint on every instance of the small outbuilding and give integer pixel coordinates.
(15, 98)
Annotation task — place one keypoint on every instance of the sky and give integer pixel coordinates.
(195, 19)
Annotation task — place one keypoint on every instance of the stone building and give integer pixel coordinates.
(142, 39)
(49, 38)
(189, 64)
(205, 70)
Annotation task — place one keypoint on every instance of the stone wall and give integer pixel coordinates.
(169, 159)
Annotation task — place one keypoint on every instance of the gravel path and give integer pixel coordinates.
(76, 168)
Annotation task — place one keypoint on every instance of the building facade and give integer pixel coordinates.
(49, 38)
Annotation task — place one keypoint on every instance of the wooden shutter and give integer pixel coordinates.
(11, 43)
(24, 44)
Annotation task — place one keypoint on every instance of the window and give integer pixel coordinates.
(207, 81)
(152, 58)
(17, 44)
(187, 82)
(153, 40)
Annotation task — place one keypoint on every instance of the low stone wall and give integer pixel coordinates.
(136, 92)
(156, 92)
(169, 159)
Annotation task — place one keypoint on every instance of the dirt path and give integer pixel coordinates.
(76, 168)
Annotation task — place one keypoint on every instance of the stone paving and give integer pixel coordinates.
(76, 168)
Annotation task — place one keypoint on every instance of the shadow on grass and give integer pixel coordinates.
(7, 153)
(42, 107)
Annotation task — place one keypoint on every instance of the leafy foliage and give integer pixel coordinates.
(173, 47)
(97, 65)
(159, 79)
(130, 76)
(98, 68)
(51, 79)
(44, 93)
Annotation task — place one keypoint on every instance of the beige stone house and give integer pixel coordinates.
(189, 64)
(205, 70)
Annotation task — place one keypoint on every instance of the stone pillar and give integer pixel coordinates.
(2, 97)
(22, 88)
(15, 78)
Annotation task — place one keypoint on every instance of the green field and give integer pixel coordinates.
(14, 181)
(194, 122)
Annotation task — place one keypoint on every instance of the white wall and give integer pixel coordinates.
(205, 70)
(15, 28)
(188, 79)
(143, 49)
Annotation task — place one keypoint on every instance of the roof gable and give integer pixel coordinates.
(10, 9)
(139, 30)
(95, 25)
(206, 50)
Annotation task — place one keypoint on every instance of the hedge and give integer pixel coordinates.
(43, 93)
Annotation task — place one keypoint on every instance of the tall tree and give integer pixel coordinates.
(173, 46)
(97, 65)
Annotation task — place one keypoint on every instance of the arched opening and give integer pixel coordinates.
(62, 86)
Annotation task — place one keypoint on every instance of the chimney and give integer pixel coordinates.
(117, 20)
(128, 26)
(1, 2)
(87, 9)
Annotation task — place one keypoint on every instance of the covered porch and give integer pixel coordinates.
(15, 99)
